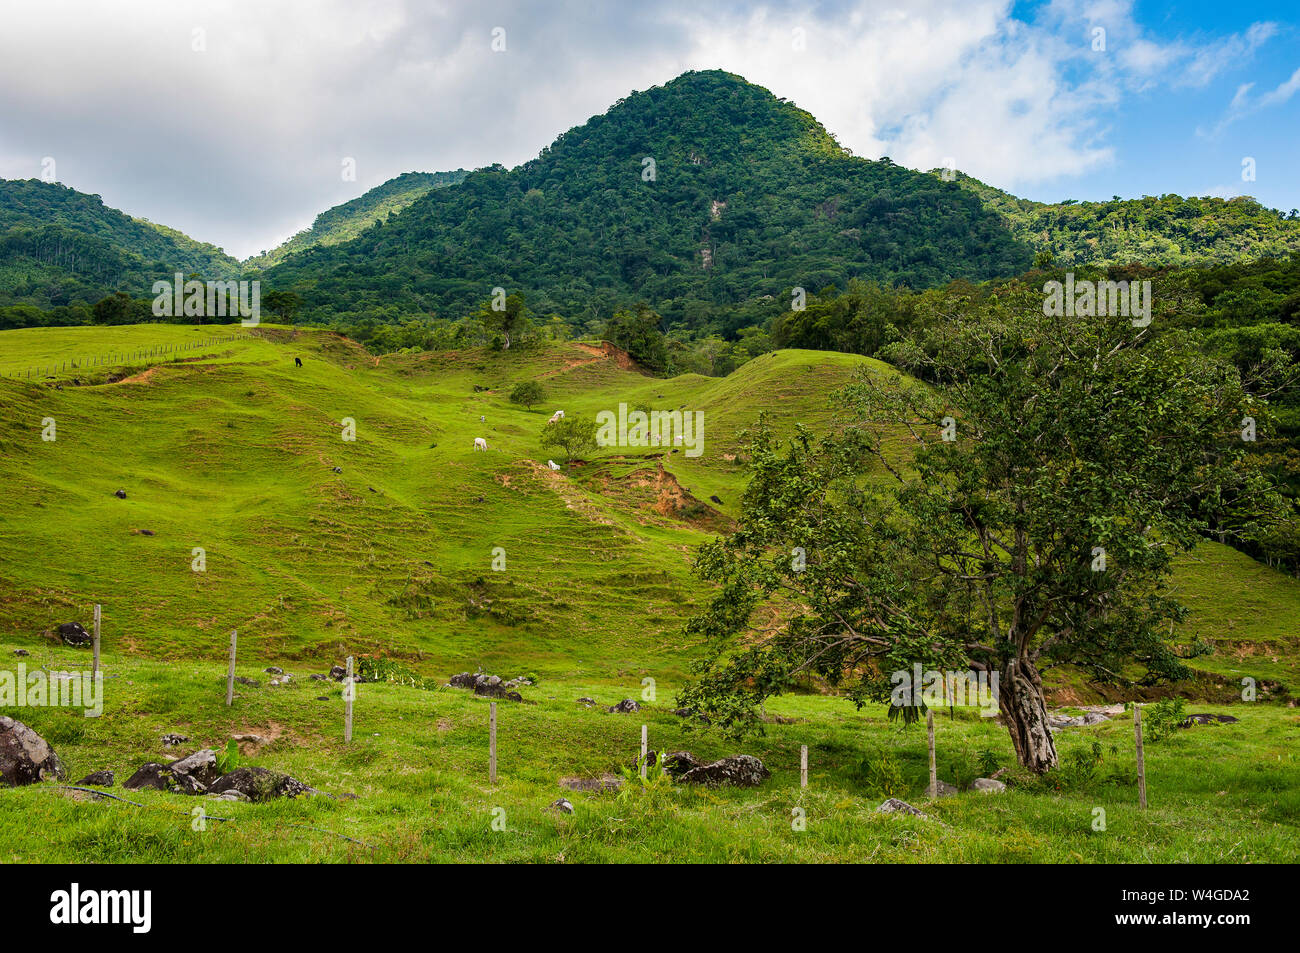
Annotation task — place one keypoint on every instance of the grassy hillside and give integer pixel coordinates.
(350, 219)
(232, 448)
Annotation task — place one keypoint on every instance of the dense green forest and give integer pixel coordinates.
(1168, 230)
(62, 250)
(348, 220)
(694, 197)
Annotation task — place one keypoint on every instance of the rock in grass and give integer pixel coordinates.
(259, 784)
(988, 786)
(563, 805)
(462, 680)
(21, 653)
(606, 782)
(172, 739)
(625, 707)
(676, 763)
(73, 634)
(120, 494)
(741, 770)
(99, 779)
(25, 757)
(192, 774)
(273, 670)
(895, 806)
(944, 789)
(1206, 719)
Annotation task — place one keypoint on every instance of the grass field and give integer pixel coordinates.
(230, 449)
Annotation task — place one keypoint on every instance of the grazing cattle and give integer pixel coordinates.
(297, 362)
(480, 443)
(558, 415)
(552, 464)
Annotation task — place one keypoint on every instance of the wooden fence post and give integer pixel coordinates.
(644, 750)
(934, 774)
(230, 675)
(492, 742)
(803, 766)
(94, 672)
(1141, 762)
(349, 692)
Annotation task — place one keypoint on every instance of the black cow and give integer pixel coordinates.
(297, 362)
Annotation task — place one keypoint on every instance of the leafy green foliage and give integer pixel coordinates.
(528, 393)
(574, 435)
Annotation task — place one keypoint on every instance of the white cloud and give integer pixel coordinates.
(241, 144)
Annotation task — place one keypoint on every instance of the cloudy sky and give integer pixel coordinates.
(232, 120)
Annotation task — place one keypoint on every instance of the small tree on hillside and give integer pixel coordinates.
(528, 393)
(574, 435)
(1021, 513)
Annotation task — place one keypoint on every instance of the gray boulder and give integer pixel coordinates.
(258, 784)
(99, 779)
(192, 774)
(1205, 719)
(895, 806)
(741, 770)
(988, 786)
(25, 757)
(73, 634)
(563, 805)
(463, 680)
(625, 707)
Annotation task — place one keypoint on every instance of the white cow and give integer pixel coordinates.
(558, 415)
(552, 464)
(480, 443)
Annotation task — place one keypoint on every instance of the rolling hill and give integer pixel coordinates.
(315, 547)
(348, 220)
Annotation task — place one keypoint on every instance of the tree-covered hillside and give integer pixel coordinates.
(59, 246)
(1164, 231)
(347, 221)
(705, 191)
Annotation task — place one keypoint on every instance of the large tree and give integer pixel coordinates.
(1017, 510)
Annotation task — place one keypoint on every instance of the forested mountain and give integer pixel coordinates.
(1163, 231)
(59, 246)
(704, 192)
(347, 221)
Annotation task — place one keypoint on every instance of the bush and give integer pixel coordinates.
(528, 393)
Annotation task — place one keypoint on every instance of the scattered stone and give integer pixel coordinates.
(280, 680)
(21, 653)
(194, 773)
(25, 757)
(463, 680)
(338, 673)
(259, 784)
(676, 763)
(249, 744)
(73, 634)
(317, 677)
(562, 805)
(988, 786)
(273, 670)
(944, 789)
(100, 779)
(338, 469)
(243, 680)
(895, 806)
(120, 494)
(586, 702)
(607, 782)
(1206, 719)
(322, 698)
(231, 795)
(1055, 720)
(150, 777)
(145, 532)
(741, 770)
(173, 739)
(625, 707)
(491, 686)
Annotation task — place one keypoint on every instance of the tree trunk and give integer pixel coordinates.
(1020, 695)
